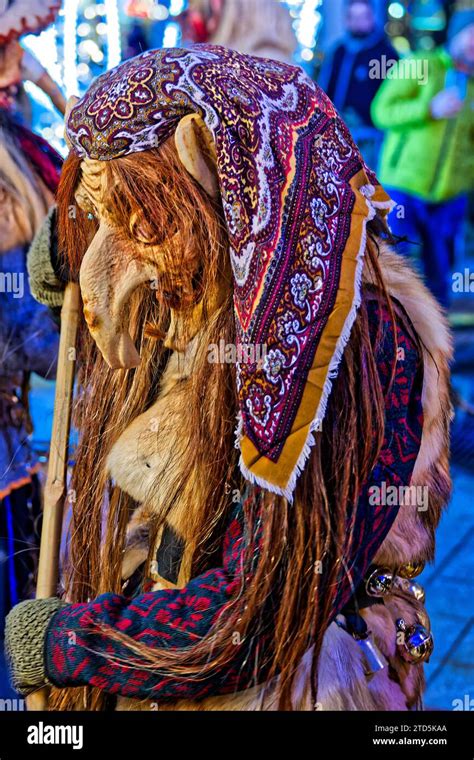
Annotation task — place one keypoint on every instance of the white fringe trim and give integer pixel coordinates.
(332, 373)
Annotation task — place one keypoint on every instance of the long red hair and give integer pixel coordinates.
(295, 537)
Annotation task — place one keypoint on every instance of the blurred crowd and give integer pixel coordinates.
(412, 114)
(414, 119)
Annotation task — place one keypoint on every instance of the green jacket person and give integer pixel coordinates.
(426, 107)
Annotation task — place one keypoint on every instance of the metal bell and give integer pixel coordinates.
(411, 569)
(356, 627)
(380, 582)
(417, 642)
(411, 587)
(373, 658)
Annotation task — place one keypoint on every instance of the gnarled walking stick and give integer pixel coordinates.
(56, 484)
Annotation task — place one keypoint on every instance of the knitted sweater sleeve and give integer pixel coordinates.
(78, 652)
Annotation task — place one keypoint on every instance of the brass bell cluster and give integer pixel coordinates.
(383, 581)
(414, 642)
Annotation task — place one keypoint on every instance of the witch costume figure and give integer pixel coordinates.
(245, 534)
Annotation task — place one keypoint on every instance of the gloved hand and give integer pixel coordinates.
(47, 276)
(25, 633)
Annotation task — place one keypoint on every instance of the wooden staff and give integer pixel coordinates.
(56, 483)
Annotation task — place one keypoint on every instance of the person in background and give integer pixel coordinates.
(255, 27)
(427, 160)
(29, 337)
(348, 76)
(28, 343)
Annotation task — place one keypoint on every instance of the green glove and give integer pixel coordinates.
(25, 633)
(46, 275)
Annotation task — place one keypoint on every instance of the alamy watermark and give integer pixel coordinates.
(42, 733)
(12, 705)
(466, 703)
(387, 495)
(463, 282)
(12, 282)
(230, 353)
(415, 69)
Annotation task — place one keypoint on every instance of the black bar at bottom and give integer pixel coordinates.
(133, 735)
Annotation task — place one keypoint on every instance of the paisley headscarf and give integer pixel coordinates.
(297, 196)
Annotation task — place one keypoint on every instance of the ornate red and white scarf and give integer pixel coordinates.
(297, 196)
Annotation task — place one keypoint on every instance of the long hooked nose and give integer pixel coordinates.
(108, 277)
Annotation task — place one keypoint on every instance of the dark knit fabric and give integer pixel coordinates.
(179, 618)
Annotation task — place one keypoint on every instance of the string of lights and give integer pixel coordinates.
(307, 20)
(86, 38)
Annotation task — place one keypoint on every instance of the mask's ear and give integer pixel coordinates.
(71, 102)
(197, 152)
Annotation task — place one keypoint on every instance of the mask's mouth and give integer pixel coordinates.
(117, 349)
